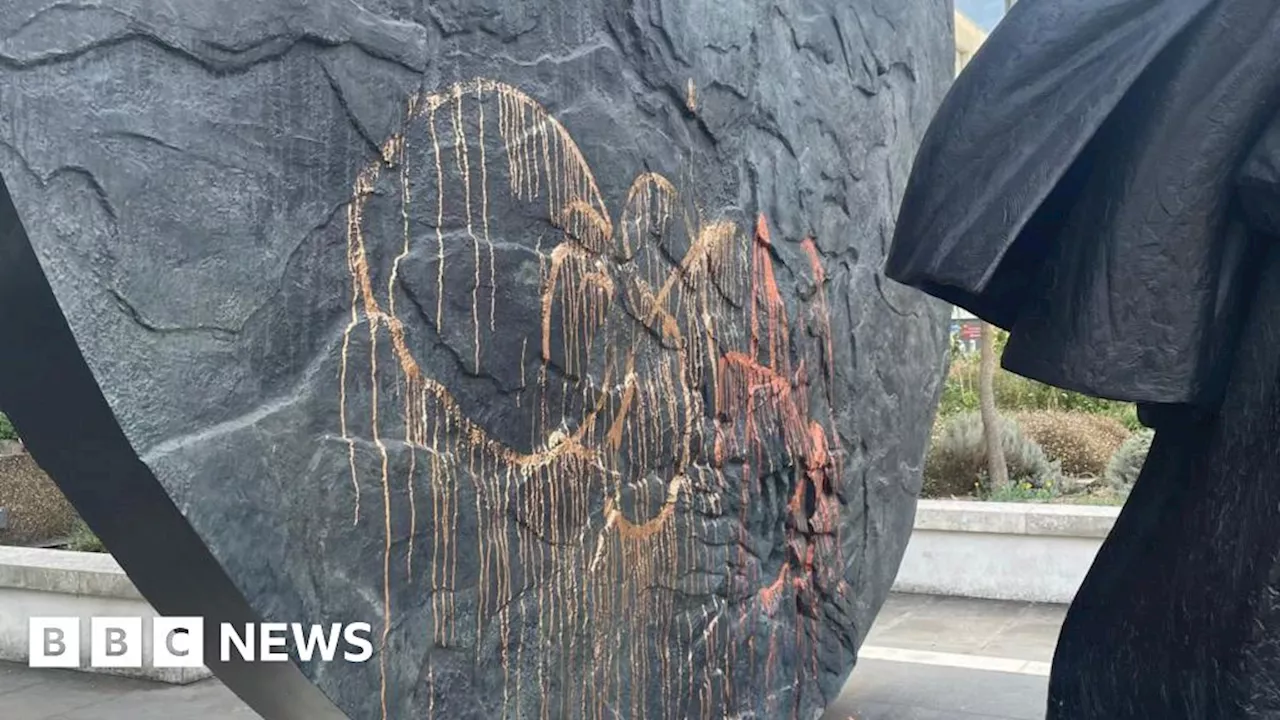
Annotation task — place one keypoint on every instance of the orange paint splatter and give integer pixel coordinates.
(715, 326)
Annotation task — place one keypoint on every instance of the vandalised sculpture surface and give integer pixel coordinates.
(547, 337)
(1104, 181)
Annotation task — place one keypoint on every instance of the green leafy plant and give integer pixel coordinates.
(82, 539)
(956, 464)
(1015, 393)
(1122, 472)
(1024, 492)
(7, 431)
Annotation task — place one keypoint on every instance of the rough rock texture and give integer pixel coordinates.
(548, 337)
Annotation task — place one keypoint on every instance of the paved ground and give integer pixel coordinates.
(953, 659)
(27, 694)
(926, 659)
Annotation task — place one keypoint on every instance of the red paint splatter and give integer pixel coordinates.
(759, 389)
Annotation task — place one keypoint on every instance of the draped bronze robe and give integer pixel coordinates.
(1103, 181)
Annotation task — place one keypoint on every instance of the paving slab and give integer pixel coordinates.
(883, 711)
(883, 690)
(43, 694)
(16, 677)
(205, 700)
(1031, 636)
(967, 626)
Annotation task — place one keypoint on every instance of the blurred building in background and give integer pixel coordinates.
(969, 37)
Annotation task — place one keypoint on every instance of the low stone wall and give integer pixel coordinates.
(1002, 551)
(60, 583)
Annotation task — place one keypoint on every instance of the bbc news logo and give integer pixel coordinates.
(179, 642)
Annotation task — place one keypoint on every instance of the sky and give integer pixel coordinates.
(986, 13)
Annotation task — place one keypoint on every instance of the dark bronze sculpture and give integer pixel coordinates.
(1104, 181)
(548, 337)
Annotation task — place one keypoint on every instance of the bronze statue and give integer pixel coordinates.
(1103, 181)
(547, 338)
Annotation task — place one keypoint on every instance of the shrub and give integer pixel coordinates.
(1122, 472)
(1024, 492)
(957, 460)
(7, 431)
(1081, 443)
(38, 512)
(1127, 415)
(1110, 427)
(1015, 393)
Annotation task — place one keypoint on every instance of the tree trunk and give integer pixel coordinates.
(997, 471)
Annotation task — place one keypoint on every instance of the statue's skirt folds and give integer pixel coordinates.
(1104, 182)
